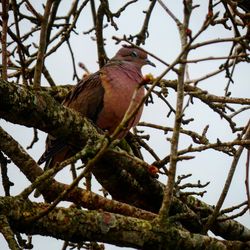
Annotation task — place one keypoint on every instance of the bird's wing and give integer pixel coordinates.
(53, 146)
(86, 98)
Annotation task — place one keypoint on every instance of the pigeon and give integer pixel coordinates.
(104, 98)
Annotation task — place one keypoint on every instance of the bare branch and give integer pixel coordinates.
(5, 17)
(42, 44)
(219, 204)
(168, 192)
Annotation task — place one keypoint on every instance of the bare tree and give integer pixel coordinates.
(150, 208)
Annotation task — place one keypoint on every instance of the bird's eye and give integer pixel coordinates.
(134, 54)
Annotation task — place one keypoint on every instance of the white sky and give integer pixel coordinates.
(163, 42)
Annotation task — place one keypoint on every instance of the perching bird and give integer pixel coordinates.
(103, 97)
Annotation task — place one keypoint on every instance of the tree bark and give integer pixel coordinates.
(25, 106)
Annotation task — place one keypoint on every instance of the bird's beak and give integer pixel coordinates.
(150, 63)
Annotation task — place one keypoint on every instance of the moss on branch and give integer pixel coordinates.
(77, 226)
(25, 106)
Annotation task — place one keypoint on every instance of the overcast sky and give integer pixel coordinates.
(164, 42)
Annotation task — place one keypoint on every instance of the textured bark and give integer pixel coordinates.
(76, 226)
(22, 105)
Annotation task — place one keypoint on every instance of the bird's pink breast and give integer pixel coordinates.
(119, 82)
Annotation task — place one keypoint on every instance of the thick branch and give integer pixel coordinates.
(79, 196)
(77, 225)
(23, 105)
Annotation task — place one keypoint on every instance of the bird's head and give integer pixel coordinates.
(133, 55)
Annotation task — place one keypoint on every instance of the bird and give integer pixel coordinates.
(104, 98)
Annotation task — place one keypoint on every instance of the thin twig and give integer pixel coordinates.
(213, 216)
(73, 61)
(216, 41)
(210, 58)
(225, 147)
(170, 13)
(19, 50)
(52, 18)
(42, 44)
(4, 173)
(67, 30)
(234, 216)
(35, 139)
(5, 17)
(231, 209)
(168, 191)
(200, 139)
(143, 34)
(93, 11)
(210, 74)
(33, 10)
(247, 178)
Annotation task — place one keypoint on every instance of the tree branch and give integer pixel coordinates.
(42, 44)
(79, 225)
(144, 191)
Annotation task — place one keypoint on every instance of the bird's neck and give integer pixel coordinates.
(129, 67)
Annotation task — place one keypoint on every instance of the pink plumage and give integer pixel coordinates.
(103, 97)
